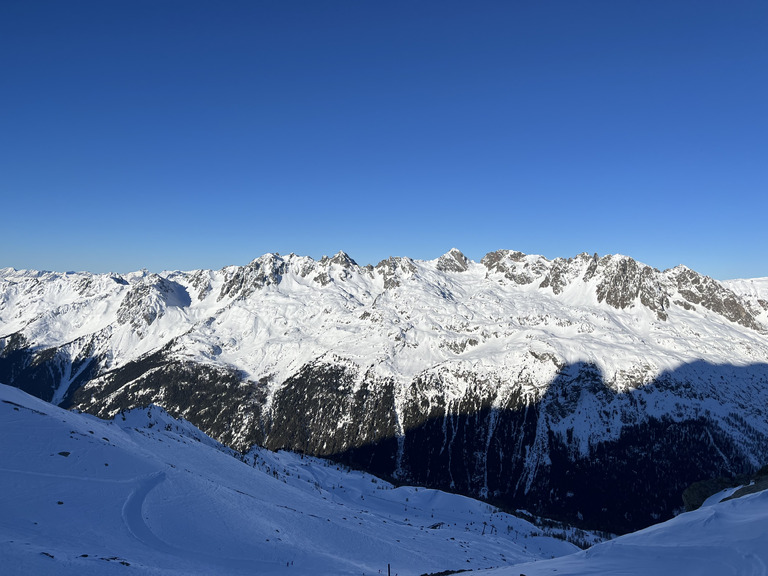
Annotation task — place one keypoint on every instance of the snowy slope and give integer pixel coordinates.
(79, 495)
(147, 494)
(726, 538)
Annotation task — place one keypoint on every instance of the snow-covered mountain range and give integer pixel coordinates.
(560, 386)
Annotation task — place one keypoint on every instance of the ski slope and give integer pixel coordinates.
(147, 494)
(726, 538)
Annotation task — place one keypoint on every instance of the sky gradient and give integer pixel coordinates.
(197, 134)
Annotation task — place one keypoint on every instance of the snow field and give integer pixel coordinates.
(84, 496)
(728, 538)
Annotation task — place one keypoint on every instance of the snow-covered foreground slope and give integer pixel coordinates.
(147, 494)
(726, 538)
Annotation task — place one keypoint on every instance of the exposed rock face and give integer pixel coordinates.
(243, 281)
(560, 275)
(561, 387)
(624, 281)
(146, 301)
(515, 266)
(704, 291)
(453, 261)
(201, 282)
(342, 259)
(392, 269)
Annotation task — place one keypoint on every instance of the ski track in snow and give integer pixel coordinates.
(66, 476)
(133, 513)
(134, 518)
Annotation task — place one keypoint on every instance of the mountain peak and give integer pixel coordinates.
(343, 259)
(453, 261)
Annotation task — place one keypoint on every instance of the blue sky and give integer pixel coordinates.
(198, 134)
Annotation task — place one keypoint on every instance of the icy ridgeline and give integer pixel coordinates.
(83, 496)
(594, 390)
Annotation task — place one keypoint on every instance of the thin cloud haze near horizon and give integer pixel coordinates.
(182, 136)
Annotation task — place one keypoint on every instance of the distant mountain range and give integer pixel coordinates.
(592, 389)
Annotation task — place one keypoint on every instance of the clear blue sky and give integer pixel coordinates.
(197, 134)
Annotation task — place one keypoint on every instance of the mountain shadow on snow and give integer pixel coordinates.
(527, 456)
(581, 453)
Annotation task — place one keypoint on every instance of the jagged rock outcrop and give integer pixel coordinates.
(452, 261)
(704, 291)
(242, 281)
(515, 266)
(148, 299)
(393, 269)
